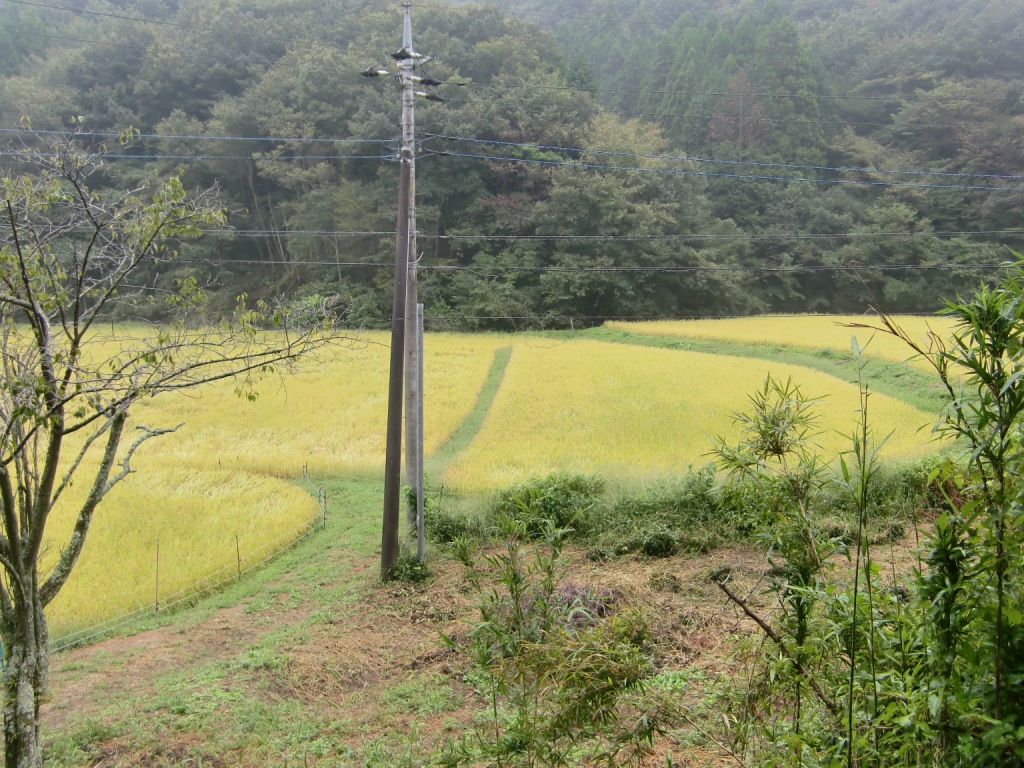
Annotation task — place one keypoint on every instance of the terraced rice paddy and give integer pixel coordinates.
(228, 482)
(825, 332)
(642, 412)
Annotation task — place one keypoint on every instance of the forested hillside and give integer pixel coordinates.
(615, 158)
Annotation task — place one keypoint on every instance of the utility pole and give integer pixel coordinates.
(413, 341)
(406, 333)
(389, 547)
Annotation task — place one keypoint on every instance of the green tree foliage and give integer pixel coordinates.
(770, 100)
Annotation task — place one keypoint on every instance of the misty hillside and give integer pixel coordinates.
(608, 159)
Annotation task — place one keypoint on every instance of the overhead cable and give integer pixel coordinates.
(708, 174)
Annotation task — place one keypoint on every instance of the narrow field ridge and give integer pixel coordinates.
(462, 436)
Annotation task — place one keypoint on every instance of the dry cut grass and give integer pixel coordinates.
(634, 412)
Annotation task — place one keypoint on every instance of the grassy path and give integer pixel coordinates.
(897, 380)
(463, 435)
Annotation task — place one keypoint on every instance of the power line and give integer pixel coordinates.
(128, 156)
(201, 137)
(683, 158)
(635, 238)
(708, 174)
(523, 145)
(701, 268)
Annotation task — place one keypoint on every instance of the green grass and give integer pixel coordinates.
(352, 529)
(420, 695)
(197, 714)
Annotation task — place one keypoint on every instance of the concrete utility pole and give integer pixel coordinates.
(413, 341)
(406, 333)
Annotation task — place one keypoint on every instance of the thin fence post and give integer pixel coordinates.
(238, 557)
(325, 508)
(156, 592)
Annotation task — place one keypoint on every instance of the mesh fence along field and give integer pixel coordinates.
(642, 412)
(806, 331)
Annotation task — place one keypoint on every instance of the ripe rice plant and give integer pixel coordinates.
(635, 412)
(222, 474)
(329, 416)
(807, 331)
(195, 515)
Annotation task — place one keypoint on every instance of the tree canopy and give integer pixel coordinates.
(828, 154)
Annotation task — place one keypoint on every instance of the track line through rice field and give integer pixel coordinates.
(461, 438)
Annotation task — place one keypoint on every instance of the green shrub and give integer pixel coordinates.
(409, 568)
(444, 526)
(661, 520)
(562, 499)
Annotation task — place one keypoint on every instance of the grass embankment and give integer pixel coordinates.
(899, 379)
(827, 333)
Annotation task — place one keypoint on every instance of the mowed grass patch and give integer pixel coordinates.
(637, 412)
(823, 332)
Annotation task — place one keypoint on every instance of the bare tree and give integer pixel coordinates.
(68, 256)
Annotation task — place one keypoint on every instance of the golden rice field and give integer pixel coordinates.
(636, 412)
(330, 415)
(229, 473)
(807, 331)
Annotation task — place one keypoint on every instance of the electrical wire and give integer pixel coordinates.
(501, 272)
(683, 158)
(130, 156)
(708, 174)
(469, 139)
(277, 233)
(201, 137)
